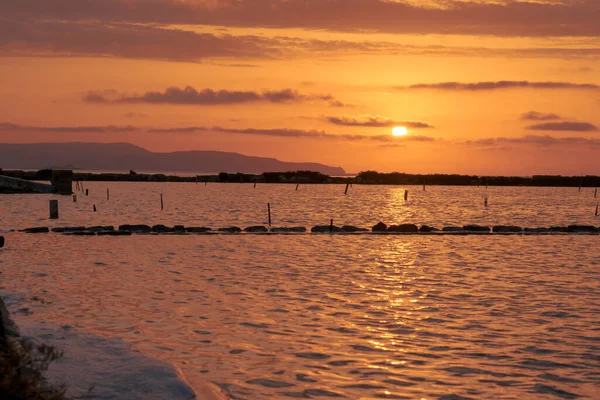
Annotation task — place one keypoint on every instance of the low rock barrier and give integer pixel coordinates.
(379, 228)
(23, 364)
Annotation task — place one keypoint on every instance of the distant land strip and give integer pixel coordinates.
(311, 177)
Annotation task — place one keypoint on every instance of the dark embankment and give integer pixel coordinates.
(312, 177)
(22, 365)
(396, 178)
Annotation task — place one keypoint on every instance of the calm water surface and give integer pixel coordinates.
(319, 316)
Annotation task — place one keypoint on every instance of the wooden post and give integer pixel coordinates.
(347, 186)
(53, 209)
(597, 204)
(297, 185)
(269, 211)
(485, 202)
(162, 204)
(205, 183)
(107, 194)
(254, 185)
(331, 226)
(87, 192)
(1, 242)
(596, 193)
(74, 198)
(94, 208)
(405, 195)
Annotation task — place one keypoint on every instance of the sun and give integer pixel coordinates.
(399, 131)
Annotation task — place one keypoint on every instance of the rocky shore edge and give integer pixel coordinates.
(379, 228)
(8, 328)
(22, 364)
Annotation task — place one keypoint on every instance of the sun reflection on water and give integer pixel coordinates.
(412, 316)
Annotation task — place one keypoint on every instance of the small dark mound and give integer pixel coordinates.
(256, 229)
(40, 229)
(231, 229)
(379, 227)
(403, 228)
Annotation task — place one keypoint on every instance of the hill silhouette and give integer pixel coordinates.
(126, 156)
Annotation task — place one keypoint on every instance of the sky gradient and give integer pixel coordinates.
(500, 87)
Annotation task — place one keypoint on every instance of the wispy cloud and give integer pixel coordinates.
(534, 140)
(505, 18)
(340, 104)
(205, 97)
(487, 144)
(538, 116)
(298, 133)
(134, 41)
(8, 127)
(374, 121)
(134, 115)
(500, 85)
(282, 132)
(564, 126)
(92, 37)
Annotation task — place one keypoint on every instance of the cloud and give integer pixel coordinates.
(94, 39)
(282, 96)
(391, 145)
(298, 133)
(374, 121)
(495, 143)
(499, 85)
(499, 18)
(134, 115)
(8, 127)
(205, 97)
(283, 132)
(117, 38)
(564, 126)
(535, 140)
(538, 116)
(339, 104)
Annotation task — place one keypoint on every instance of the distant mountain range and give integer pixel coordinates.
(126, 156)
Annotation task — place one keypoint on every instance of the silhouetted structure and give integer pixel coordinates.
(61, 182)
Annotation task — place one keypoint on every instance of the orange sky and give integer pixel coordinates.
(484, 87)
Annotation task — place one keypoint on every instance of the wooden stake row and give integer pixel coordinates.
(79, 186)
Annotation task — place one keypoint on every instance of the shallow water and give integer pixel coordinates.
(317, 316)
(95, 367)
(220, 205)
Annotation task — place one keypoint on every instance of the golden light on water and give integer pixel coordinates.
(399, 131)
